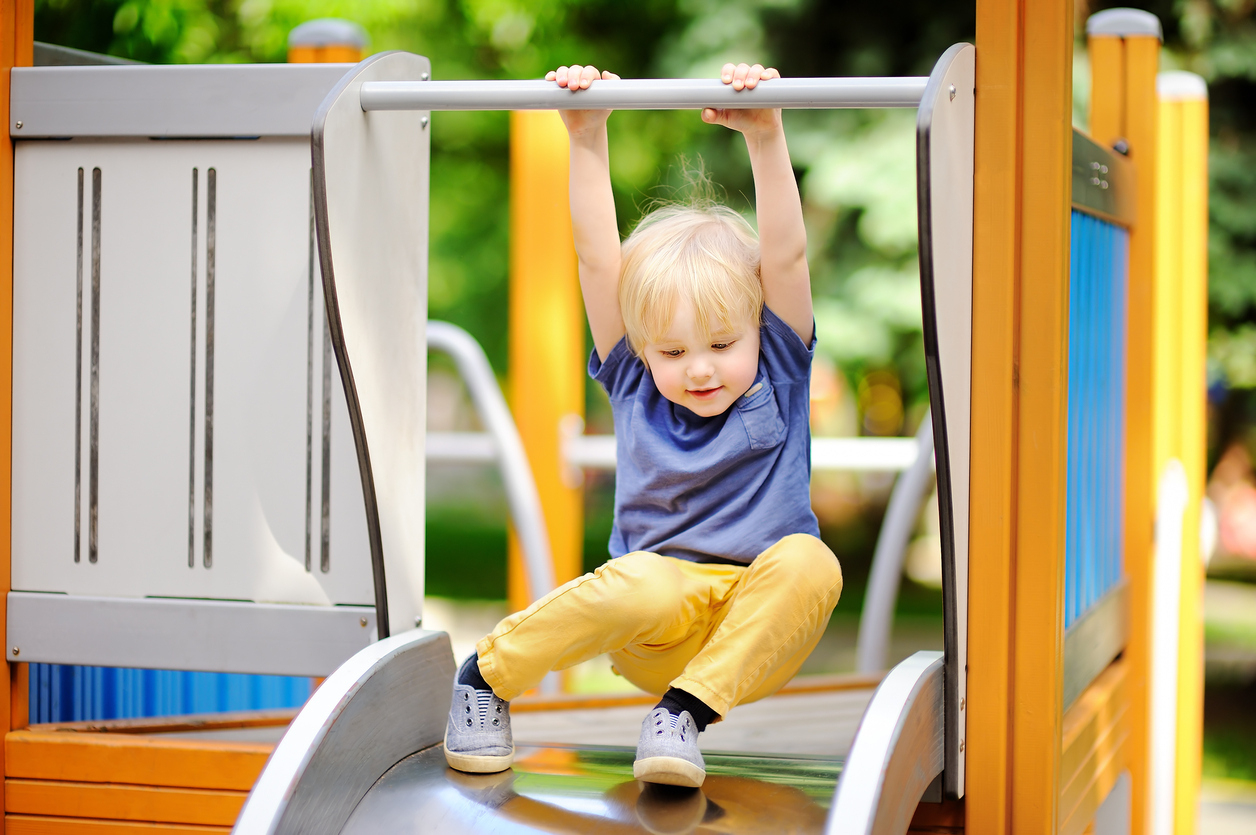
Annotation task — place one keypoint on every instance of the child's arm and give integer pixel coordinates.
(593, 210)
(782, 236)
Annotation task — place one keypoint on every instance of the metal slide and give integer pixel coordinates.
(364, 754)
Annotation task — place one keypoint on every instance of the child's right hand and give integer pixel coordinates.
(576, 78)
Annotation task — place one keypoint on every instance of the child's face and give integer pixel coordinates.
(704, 374)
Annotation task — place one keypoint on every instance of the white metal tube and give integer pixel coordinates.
(521, 493)
(644, 94)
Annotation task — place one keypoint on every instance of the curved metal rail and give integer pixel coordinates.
(507, 449)
(877, 618)
(898, 751)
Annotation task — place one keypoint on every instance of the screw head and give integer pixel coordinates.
(18, 124)
(16, 652)
(951, 89)
(423, 77)
(423, 121)
(361, 621)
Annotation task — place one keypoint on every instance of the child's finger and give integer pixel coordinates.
(609, 76)
(560, 75)
(573, 77)
(551, 75)
(771, 72)
(712, 116)
(726, 74)
(753, 75)
(589, 75)
(739, 76)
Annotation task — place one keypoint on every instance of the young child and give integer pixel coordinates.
(720, 586)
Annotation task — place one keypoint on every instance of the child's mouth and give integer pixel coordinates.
(705, 394)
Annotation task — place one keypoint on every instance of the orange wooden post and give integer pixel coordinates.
(992, 522)
(547, 354)
(326, 41)
(17, 46)
(1181, 287)
(1123, 107)
(1020, 350)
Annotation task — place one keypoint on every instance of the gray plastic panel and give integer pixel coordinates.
(194, 101)
(171, 634)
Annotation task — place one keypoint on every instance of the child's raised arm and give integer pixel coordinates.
(593, 210)
(782, 236)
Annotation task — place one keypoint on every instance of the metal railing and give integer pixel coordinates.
(644, 94)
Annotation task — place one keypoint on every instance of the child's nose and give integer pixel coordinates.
(700, 370)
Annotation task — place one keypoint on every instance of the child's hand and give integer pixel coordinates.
(576, 78)
(745, 77)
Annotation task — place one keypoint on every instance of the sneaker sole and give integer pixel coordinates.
(670, 771)
(478, 763)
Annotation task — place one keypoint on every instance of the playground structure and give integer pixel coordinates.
(1048, 737)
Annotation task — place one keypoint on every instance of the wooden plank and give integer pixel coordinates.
(146, 761)
(112, 801)
(1094, 747)
(1042, 426)
(171, 724)
(17, 45)
(35, 825)
(991, 549)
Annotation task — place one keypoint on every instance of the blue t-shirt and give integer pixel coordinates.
(712, 489)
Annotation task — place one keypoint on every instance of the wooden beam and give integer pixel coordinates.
(1093, 750)
(145, 761)
(155, 804)
(38, 825)
(17, 47)
(992, 514)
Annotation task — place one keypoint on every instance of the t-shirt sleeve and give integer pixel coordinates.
(621, 373)
(787, 357)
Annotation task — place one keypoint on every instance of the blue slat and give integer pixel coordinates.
(1094, 481)
(62, 693)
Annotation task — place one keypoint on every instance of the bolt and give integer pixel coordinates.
(952, 91)
(962, 703)
(16, 652)
(423, 121)
(19, 124)
(423, 77)
(361, 621)
(961, 746)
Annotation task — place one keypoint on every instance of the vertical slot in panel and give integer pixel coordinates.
(211, 240)
(93, 478)
(192, 389)
(78, 378)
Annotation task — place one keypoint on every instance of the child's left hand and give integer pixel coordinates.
(745, 77)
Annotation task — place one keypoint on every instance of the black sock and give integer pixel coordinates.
(678, 700)
(469, 673)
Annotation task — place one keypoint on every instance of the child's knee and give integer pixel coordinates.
(643, 581)
(813, 563)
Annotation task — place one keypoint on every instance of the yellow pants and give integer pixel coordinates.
(724, 633)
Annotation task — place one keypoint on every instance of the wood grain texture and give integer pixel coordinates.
(113, 801)
(1095, 735)
(35, 825)
(1038, 584)
(108, 758)
(992, 516)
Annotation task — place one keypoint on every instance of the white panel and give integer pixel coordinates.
(261, 362)
(371, 178)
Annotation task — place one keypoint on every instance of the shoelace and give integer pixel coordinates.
(673, 721)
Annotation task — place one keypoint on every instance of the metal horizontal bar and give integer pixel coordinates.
(643, 94)
(461, 448)
(216, 636)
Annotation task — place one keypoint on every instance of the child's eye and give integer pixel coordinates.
(673, 353)
(720, 346)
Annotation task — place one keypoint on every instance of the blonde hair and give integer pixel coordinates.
(706, 254)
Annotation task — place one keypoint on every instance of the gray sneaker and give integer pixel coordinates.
(477, 737)
(668, 751)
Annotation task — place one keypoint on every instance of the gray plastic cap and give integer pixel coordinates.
(328, 31)
(1181, 86)
(1124, 22)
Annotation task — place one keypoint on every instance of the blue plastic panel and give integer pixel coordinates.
(1095, 506)
(61, 693)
